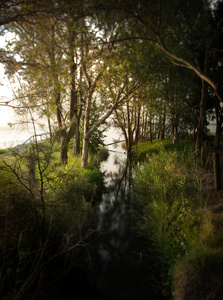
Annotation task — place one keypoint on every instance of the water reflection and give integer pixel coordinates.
(118, 274)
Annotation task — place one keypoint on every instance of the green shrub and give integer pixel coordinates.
(42, 228)
(97, 157)
(4, 151)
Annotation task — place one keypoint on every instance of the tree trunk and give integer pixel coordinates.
(162, 133)
(217, 137)
(84, 158)
(145, 128)
(219, 120)
(195, 126)
(32, 166)
(184, 63)
(216, 163)
(150, 127)
(137, 131)
(203, 104)
(130, 133)
(174, 129)
(63, 148)
(202, 117)
(86, 137)
(77, 148)
(49, 127)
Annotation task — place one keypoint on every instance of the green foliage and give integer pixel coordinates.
(168, 218)
(4, 151)
(144, 150)
(41, 229)
(97, 157)
(73, 183)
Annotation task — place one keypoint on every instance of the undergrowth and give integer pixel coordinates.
(46, 217)
(143, 151)
(169, 218)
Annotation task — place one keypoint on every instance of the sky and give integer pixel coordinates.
(9, 136)
(5, 92)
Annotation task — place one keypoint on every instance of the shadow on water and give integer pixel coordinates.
(115, 268)
(116, 259)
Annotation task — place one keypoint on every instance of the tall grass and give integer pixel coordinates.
(168, 218)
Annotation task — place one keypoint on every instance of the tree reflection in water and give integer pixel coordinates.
(117, 260)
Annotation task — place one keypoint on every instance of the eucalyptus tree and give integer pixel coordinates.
(104, 84)
(183, 31)
(168, 26)
(131, 119)
(48, 61)
(110, 94)
(41, 65)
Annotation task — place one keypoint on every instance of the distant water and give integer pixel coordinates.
(11, 137)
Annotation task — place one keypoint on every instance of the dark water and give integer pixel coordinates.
(117, 260)
(115, 268)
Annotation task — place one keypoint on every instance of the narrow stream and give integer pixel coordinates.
(117, 259)
(114, 267)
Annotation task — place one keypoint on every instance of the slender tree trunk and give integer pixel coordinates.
(84, 158)
(86, 137)
(195, 125)
(217, 171)
(203, 75)
(203, 104)
(174, 129)
(63, 148)
(159, 128)
(130, 133)
(77, 148)
(150, 128)
(202, 117)
(49, 126)
(162, 134)
(137, 131)
(219, 120)
(145, 128)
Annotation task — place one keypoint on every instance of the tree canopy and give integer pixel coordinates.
(76, 60)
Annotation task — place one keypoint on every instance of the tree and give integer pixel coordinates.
(47, 51)
(116, 95)
(180, 30)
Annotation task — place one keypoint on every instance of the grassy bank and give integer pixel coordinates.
(182, 246)
(46, 218)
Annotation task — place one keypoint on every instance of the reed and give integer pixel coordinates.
(168, 217)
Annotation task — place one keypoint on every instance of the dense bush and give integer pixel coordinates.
(46, 218)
